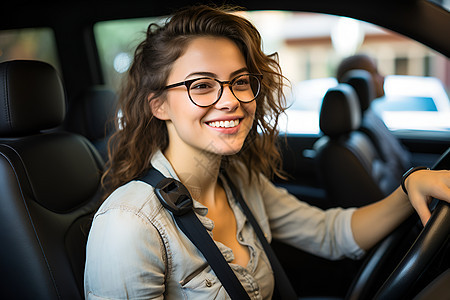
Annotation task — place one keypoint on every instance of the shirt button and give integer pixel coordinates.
(208, 283)
(256, 293)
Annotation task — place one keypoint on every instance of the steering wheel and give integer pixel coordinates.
(371, 282)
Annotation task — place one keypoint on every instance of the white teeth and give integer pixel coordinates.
(225, 124)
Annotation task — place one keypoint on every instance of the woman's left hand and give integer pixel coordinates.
(424, 185)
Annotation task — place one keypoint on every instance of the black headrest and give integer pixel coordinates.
(31, 97)
(361, 81)
(340, 113)
(92, 113)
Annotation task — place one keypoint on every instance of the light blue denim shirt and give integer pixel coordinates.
(136, 251)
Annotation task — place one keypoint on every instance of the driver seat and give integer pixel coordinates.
(49, 183)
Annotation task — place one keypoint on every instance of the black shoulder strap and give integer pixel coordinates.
(284, 287)
(175, 197)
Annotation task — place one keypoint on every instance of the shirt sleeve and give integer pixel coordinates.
(125, 258)
(325, 233)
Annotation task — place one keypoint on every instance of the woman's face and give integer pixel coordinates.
(221, 128)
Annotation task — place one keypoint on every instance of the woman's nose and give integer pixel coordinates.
(227, 100)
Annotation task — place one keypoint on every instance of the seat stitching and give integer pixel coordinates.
(7, 111)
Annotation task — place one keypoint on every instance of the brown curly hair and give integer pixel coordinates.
(139, 134)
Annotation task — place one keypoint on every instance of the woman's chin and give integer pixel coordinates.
(227, 150)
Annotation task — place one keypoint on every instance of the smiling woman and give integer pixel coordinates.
(194, 108)
(134, 245)
(202, 85)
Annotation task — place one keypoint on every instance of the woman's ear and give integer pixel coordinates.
(158, 107)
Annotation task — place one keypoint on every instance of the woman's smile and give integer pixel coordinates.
(224, 124)
(228, 127)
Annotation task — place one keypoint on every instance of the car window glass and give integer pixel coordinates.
(310, 46)
(29, 44)
(116, 41)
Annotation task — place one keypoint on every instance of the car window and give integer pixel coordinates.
(29, 44)
(310, 46)
(116, 41)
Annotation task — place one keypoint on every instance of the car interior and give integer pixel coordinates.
(56, 118)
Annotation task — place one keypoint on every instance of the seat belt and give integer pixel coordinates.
(284, 287)
(175, 197)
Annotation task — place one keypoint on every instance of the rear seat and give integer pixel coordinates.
(92, 115)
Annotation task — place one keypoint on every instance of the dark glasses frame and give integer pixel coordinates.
(230, 83)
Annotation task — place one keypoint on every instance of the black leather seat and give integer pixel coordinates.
(348, 164)
(92, 115)
(49, 183)
(396, 156)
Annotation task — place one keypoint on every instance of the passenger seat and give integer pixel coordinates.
(49, 187)
(348, 163)
(396, 156)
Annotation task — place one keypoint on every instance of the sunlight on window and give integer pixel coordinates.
(122, 62)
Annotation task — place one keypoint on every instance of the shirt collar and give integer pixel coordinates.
(162, 164)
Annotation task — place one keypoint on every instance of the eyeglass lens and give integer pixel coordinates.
(206, 91)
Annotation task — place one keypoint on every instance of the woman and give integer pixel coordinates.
(198, 91)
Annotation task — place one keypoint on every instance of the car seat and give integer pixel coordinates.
(49, 183)
(396, 156)
(348, 164)
(92, 115)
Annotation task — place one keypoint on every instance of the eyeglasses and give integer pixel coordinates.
(206, 91)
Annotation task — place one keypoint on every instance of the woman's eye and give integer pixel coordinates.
(200, 86)
(203, 84)
(241, 82)
(203, 87)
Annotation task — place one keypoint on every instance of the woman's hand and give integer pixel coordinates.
(421, 185)
(424, 185)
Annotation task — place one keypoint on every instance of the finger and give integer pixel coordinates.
(421, 207)
(442, 193)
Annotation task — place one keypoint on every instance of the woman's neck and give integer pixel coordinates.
(198, 171)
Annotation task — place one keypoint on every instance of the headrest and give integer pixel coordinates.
(361, 81)
(31, 98)
(340, 113)
(91, 114)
